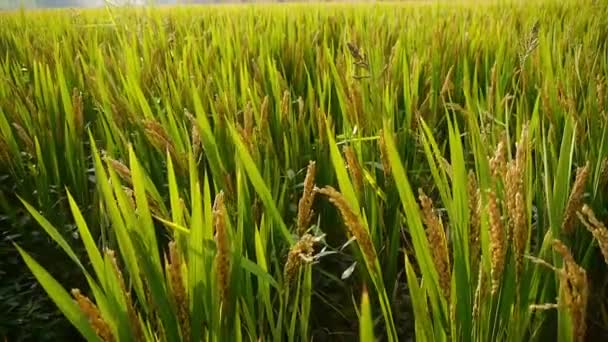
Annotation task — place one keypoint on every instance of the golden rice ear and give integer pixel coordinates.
(575, 199)
(596, 227)
(522, 148)
(519, 217)
(600, 90)
(300, 253)
(480, 291)
(321, 124)
(4, 151)
(498, 163)
(160, 139)
(497, 242)
(248, 121)
(514, 187)
(196, 142)
(78, 110)
(574, 290)
(386, 165)
(121, 169)
(354, 50)
(511, 187)
(90, 310)
(222, 258)
(354, 168)
(305, 212)
(436, 236)
(180, 294)
(530, 43)
(195, 136)
(353, 223)
(285, 105)
(157, 135)
(603, 174)
(260, 129)
(520, 232)
(25, 139)
(474, 217)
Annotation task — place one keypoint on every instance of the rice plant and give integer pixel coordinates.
(298, 172)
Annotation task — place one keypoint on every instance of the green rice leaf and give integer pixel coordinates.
(60, 296)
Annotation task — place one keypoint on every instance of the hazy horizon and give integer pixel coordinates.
(13, 4)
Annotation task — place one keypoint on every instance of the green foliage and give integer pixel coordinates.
(173, 142)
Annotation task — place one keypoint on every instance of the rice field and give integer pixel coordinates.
(414, 171)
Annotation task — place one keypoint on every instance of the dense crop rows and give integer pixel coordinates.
(309, 172)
